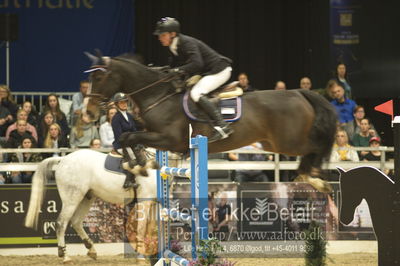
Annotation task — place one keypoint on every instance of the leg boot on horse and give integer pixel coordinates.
(222, 128)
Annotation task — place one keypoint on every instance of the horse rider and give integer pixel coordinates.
(193, 57)
(122, 122)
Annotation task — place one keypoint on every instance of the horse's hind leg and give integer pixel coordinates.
(67, 212)
(77, 224)
(310, 165)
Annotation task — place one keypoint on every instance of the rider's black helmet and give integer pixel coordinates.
(167, 24)
(119, 96)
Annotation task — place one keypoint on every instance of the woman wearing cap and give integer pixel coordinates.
(194, 57)
(122, 122)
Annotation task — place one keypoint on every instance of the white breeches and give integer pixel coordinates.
(210, 83)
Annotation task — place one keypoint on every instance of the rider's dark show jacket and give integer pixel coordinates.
(120, 125)
(195, 57)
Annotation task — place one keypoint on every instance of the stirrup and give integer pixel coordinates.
(220, 133)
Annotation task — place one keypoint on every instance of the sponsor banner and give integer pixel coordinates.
(104, 222)
(345, 25)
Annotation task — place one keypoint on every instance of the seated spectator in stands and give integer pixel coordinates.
(342, 150)
(244, 82)
(361, 139)
(8, 109)
(5, 118)
(53, 105)
(280, 85)
(375, 155)
(106, 131)
(22, 115)
(25, 157)
(344, 106)
(83, 132)
(374, 142)
(33, 117)
(45, 121)
(6, 100)
(55, 139)
(341, 78)
(353, 127)
(249, 175)
(17, 135)
(305, 83)
(77, 101)
(95, 144)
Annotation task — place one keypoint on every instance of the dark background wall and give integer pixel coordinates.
(286, 40)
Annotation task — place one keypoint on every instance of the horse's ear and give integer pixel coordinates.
(341, 170)
(92, 58)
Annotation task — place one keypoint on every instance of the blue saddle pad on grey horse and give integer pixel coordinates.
(114, 164)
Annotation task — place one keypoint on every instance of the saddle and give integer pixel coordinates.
(114, 163)
(227, 99)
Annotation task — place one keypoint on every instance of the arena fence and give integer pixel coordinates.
(277, 165)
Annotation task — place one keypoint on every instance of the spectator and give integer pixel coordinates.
(280, 85)
(223, 214)
(32, 115)
(249, 175)
(45, 121)
(374, 142)
(17, 135)
(6, 100)
(5, 118)
(353, 127)
(25, 157)
(77, 100)
(83, 132)
(375, 155)
(341, 78)
(343, 151)
(106, 131)
(328, 92)
(305, 83)
(55, 139)
(344, 106)
(361, 139)
(244, 82)
(53, 105)
(8, 109)
(95, 144)
(22, 115)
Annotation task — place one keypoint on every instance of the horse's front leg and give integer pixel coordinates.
(170, 141)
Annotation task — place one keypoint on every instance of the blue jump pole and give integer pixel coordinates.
(198, 174)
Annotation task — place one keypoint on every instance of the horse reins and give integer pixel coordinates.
(168, 78)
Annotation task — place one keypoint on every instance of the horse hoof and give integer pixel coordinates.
(67, 260)
(92, 255)
(317, 183)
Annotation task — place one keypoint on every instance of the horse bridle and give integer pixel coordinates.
(104, 103)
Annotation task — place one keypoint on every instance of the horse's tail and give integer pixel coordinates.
(323, 131)
(38, 191)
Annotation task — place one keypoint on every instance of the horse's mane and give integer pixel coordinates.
(135, 59)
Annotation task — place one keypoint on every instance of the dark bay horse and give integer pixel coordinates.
(294, 122)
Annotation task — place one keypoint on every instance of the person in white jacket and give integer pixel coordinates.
(106, 131)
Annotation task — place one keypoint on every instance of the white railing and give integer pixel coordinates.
(218, 164)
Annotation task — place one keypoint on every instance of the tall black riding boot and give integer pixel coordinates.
(222, 128)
